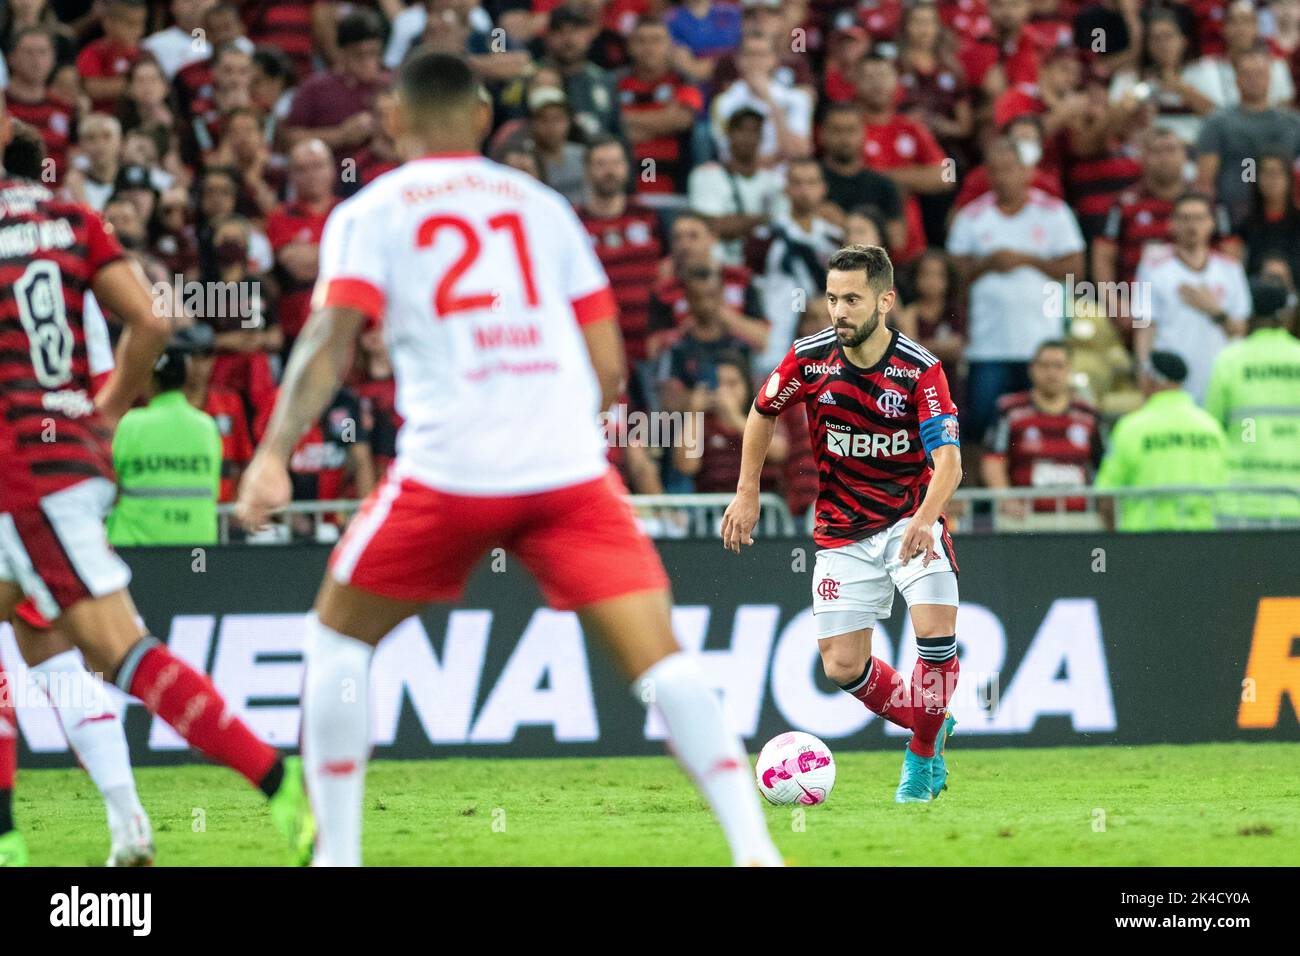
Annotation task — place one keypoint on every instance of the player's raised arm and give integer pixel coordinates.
(121, 288)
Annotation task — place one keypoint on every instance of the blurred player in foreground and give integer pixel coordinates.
(504, 340)
(57, 483)
(879, 413)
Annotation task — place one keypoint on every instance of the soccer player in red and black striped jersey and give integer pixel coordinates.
(884, 431)
(57, 481)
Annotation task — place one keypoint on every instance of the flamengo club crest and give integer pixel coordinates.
(891, 403)
(828, 589)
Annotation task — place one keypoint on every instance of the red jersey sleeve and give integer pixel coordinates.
(689, 96)
(102, 247)
(935, 412)
(783, 387)
(928, 150)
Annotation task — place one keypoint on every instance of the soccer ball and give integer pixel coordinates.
(795, 767)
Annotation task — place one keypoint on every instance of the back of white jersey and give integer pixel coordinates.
(482, 278)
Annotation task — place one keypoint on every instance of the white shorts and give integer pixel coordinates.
(56, 549)
(853, 585)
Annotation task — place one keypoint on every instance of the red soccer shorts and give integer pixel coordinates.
(411, 542)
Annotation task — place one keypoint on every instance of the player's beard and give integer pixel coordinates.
(863, 332)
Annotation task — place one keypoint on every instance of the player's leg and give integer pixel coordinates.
(637, 630)
(409, 545)
(78, 581)
(932, 596)
(588, 554)
(342, 633)
(13, 851)
(94, 730)
(851, 591)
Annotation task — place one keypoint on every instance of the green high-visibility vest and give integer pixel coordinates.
(1168, 441)
(1255, 394)
(168, 461)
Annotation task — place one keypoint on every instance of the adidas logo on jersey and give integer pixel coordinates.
(826, 398)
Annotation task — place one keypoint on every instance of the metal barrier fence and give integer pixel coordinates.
(1001, 510)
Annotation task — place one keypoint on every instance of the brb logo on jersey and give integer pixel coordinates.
(891, 403)
(849, 444)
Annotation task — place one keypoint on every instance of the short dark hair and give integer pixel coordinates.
(273, 63)
(873, 260)
(131, 4)
(358, 27)
(1193, 196)
(431, 82)
(1061, 344)
(605, 139)
(694, 214)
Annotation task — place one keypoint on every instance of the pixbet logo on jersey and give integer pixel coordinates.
(821, 368)
(863, 445)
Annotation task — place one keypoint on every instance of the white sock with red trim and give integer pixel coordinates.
(94, 730)
(336, 739)
(711, 754)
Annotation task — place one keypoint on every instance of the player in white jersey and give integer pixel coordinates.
(504, 341)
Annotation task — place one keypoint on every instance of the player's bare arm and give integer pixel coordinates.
(320, 358)
(605, 347)
(121, 288)
(918, 539)
(742, 514)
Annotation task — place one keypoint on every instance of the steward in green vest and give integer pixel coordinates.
(168, 461)
(1168, 441)
(1254, 394)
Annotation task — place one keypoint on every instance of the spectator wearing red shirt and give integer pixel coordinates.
(1007, 56)
(231, 89)
(30, 99)
(693, 251)
(285, 25)
(657, 110)
(901, 148)
(193, 82)
(294, 230)
(1055, 97)
(337, 107)
(1141, 215)
(627, 239)
(227, 409)
(844, 51)
(104, 63)
(933, 81)
(1043, 437)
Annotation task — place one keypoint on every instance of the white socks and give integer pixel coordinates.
(336, 739)
(94, 730)
(711, 753)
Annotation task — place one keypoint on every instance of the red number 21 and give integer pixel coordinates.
(446, 301)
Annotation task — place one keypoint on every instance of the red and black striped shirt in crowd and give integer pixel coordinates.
(669, 154)
(1044, 449)
(1092, 185)
(872, 429)
(51, 436)
(55, 119)
(629, 246)
(285, 25)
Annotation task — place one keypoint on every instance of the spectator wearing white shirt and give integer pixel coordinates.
(1012, 247)
(787, 134)
(408, 26)
(738, 195)
(184, 42)
(1216, 76)
(794, 271)
(1193, 299)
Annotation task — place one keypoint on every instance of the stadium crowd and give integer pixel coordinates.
(1067, 189)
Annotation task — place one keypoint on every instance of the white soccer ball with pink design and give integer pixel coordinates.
(795, 768)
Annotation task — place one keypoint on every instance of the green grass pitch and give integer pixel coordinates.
(1212, 804)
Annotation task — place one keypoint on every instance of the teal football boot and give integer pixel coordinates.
(939, 774)
(914, 785)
